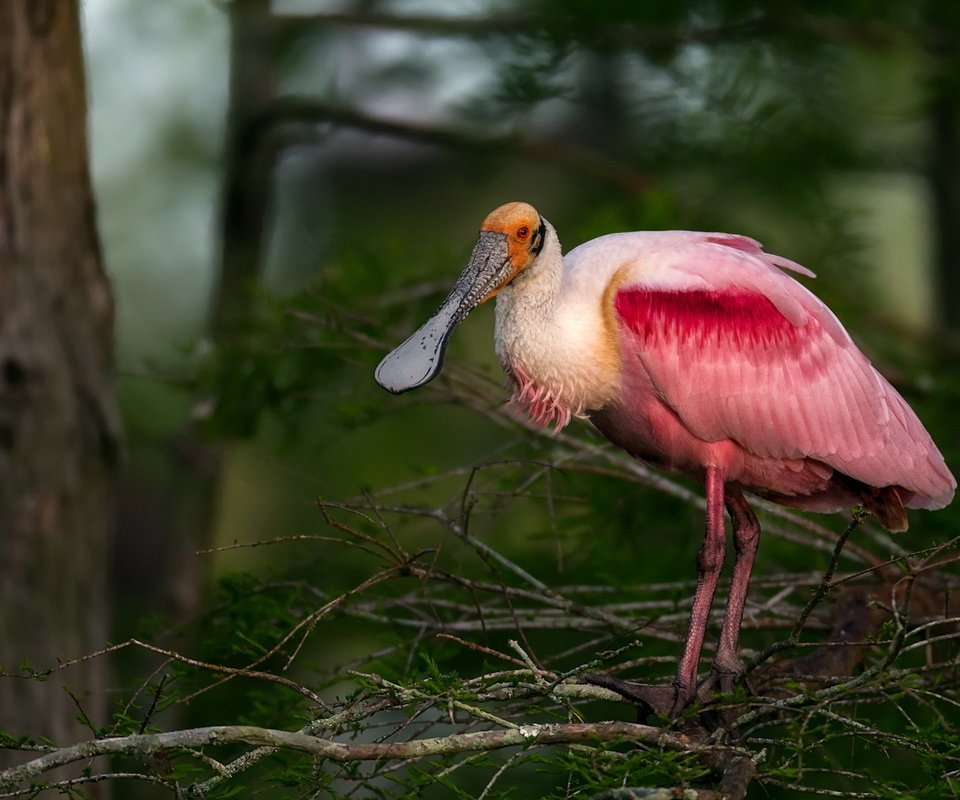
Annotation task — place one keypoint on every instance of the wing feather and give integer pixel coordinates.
(741, 351)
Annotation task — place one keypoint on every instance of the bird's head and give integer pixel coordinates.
(516, 231)
(511, 238)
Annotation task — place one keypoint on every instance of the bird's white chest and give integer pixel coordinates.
(559, 352)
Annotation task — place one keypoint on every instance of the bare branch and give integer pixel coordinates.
(308, 110)
(623, 33)
(521, 736)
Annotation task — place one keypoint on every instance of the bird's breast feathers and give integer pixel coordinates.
(562, 366)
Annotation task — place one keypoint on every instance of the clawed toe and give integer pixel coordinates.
(660, 701)
(668, 701)
(720, 680)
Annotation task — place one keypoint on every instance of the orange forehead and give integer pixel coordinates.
(517, 222)
(511, 216)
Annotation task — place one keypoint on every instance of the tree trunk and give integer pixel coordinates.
(943, 162)
(58, 422)
(249, 159)
(945, 183)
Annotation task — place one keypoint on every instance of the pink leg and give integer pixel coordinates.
(671, 700)
(746, 537)
(709, 563)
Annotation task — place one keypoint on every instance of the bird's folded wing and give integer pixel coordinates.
(741, 351)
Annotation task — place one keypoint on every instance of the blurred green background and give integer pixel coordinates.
(285, 190)
(812, 127)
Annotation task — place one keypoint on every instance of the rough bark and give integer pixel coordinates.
(58, 422)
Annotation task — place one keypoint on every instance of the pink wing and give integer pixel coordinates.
(741, 351)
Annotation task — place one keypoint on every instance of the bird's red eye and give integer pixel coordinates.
(523, 232)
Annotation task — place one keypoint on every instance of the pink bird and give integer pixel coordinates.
(696, 353)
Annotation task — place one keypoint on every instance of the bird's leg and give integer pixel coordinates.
(671, 700)
(709, 563)
(746, 537)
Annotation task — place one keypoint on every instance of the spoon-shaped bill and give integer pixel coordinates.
(418, 360)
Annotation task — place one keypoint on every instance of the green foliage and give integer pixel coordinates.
(588, 774)
(271, 369)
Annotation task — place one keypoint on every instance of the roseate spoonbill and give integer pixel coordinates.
(696, 353)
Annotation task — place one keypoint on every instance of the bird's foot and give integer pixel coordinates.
(671, 700)
(651, 701)
(720, 680)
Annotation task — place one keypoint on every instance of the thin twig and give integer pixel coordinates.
(818, 594)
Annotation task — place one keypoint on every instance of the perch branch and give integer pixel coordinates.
(521, 736)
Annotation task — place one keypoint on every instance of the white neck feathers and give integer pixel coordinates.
(555, 344)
